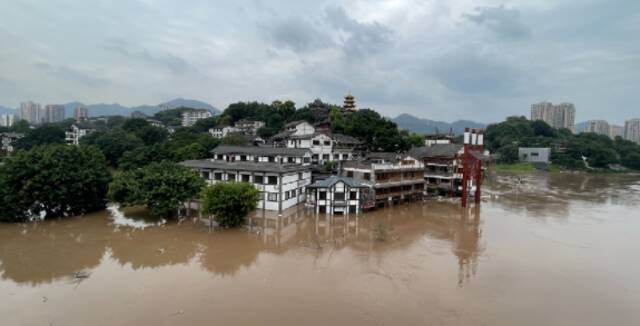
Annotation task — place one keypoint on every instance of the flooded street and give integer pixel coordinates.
(555, 249)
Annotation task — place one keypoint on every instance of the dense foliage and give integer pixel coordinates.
(57, 180)
(378, 133)
(43, 135)
(161, 187)
(581, 151)
(229, 202)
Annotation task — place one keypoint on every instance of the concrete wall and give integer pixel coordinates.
(534, 155)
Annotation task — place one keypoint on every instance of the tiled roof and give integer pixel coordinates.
(332, 180)
(255, 150)
(438, 150)
(245, 166)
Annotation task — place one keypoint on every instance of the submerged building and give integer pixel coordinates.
(394, 177)
(340, 195)
(281, 175)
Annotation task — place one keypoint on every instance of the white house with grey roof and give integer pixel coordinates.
(340, 195)
(281, 175)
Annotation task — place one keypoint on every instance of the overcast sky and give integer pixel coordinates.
(439, 59)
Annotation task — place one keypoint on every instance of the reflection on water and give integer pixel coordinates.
(42, 253)
(553, 242)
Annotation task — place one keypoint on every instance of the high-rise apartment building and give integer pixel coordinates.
(7, 120)
(616, 131)
(30, 112)
(53, 113)
(81, 114)
(600, 127)
(632, 130)
(557, 116)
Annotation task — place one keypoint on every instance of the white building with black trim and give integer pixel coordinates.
(339, 195)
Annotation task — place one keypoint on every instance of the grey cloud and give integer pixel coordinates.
(469, 71)
(68, 73)
(299, 36)
(363, 38)
(171, 62)
(505, 22)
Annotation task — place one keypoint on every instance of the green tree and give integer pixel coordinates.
(57, 180)
(113, 143)
(161, 187)
(193, 151)
(144, 155)
(43, 135)
(229, 202)
(171, 117)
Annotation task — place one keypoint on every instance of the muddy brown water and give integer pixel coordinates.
(542, 249)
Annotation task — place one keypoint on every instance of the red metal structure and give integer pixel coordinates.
(472, 164)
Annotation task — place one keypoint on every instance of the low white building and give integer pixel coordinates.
(189, 118)
(280, 176)
(77, 131)
(222, 131)
(249, 127)
(325, 147)
(7, 140)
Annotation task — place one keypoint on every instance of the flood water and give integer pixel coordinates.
(543, 249)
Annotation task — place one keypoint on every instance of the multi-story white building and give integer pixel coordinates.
(600, 127)
(77, 131)
(53, 113)
(557, 116)
(249, 127)
(30, 112)
(339, 195)
(222, 131)
(6, 141)
(7, 120)
(632, 130)
(280, 174)
(189, 118)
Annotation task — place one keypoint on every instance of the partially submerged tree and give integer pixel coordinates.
(57, 180)
(162, 187)
(229, 202)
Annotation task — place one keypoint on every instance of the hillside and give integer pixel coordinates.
(426, 126)
(103, 109)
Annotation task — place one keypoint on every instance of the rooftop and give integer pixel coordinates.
(332, 180)
(255, 150)
(438, 150)
(245, 166)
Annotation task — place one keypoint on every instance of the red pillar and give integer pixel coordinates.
(478, 180)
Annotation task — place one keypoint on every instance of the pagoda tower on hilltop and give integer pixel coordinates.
(349, 102)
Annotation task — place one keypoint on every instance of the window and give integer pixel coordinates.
(338, 196)
(272, 197)
(323, 195)
(258, 179)
(243, 157)
(291, 160)
(367, 176)
(336, 157)
(217, 176)
(306, 160)
(272, 159)
(325, 157)
(220, 157)
(272, 180)
(353, 195)
(261, 195)
(231, 177)
(352, 209)
(316, 142)
(327, 143)
(300, 175)
(206, 175)
(246, 178)
(349, 174)
(315, 157)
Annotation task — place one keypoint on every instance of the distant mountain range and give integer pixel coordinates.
(117, 109)
(426, 126)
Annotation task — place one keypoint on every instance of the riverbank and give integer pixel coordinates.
(530, 168)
